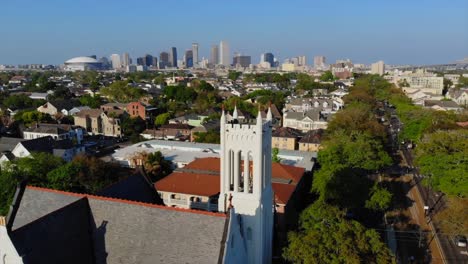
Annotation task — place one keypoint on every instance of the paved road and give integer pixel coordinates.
(423, 196)
(435, 202)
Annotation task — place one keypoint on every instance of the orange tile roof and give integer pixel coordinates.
(209, 184)
(189, 183)
(283, 192)
(207, 164)
(287, 172)
(279, 170)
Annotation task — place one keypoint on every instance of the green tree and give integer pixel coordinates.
(325, 236)
(20, 101)
(91, 101)
(274, 155)
(36, 167)
(462, 82)
(133, 125)
(452, 219)
(162, 119)
(447, 84)
(327, 77)
(357, 117)
(207, 137)
(380, 199)
(120, 91)
(154, 164)
(29, 117)
(9, 178)
(233, 75)
(443, 159)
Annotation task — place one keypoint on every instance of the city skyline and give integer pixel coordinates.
(419, 32)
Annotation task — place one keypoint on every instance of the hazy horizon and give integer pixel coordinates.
(397, 32)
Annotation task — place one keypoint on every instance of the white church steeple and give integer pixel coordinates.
(246, 182)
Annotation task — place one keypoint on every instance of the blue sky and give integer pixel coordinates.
(397, 31)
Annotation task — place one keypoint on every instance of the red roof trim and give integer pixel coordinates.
(102, 198)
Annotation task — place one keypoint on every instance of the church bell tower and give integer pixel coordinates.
(246, 182)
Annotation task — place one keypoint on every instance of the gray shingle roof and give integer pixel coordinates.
(8, 144)
(312, 114)
(62, 235)
(125, 232)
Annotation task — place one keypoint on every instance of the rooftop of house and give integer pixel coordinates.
(313, 114)
(202, 177)
(46, 144)
(84, 228)
(8, 143)
(176, 126)
(287, 132)
(64, 104)
(56, 129)
(441, 103)
(94, 113)
(312, 136)
(190, 183)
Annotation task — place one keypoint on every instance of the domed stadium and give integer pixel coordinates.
(82, 64)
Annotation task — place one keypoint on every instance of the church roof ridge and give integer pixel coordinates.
(119, 200)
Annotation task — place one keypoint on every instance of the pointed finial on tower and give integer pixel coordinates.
(223, 116)
(269, 116)
(235, 115)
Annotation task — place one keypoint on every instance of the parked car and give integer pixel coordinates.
(460, 241)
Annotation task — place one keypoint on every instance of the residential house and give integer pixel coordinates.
(135, 109)
(192, 119)
(99, 122)
(58, 107)
(60, 148)
(7, 144)
(311, 141)
(176, 131)
(113, 106)
(458, 95)
(305, 121)
(56, 131)
(306, 104)
(77, 109)
(39, 96)
(18, 80)
(418, 96)
(285, 138)
(442, 105)
(211, 125)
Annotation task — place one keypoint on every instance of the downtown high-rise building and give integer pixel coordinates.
(163, 60)
(302, 60)
(148, 60)
(125, 59)
(173, 57)
(378, 68)
(269, 57)
(214, 55)
(224, 57)
(188, 58)
(141, 61)
(195, 54)
(115, 60)
(242, 61)
(319, 62)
